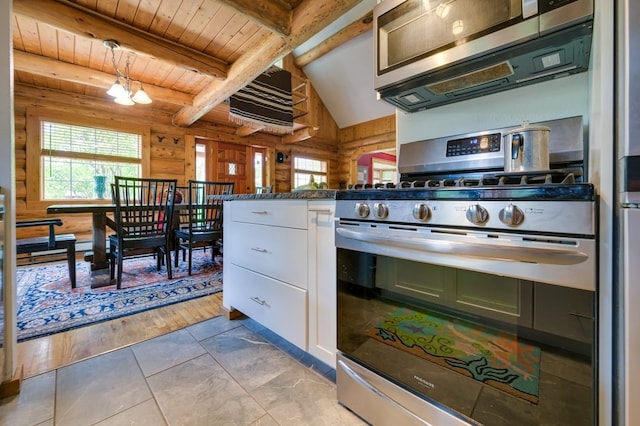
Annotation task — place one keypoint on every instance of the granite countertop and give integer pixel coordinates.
(306, 194)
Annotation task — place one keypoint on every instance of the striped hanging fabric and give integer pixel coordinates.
(266, 102)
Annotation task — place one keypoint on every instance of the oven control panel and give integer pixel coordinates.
(474, 145)
(554, 216)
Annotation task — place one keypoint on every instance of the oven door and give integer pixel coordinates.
(476, 345)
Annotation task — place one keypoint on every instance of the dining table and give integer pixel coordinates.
(101, 220)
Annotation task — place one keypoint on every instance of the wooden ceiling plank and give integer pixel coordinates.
(181, 19)
(349, 32)
(68, 17)
(51, 68)
(207, 41)
(126, 11)
(164, 16)
(228, 32)
(66, 46)
(308, 18)
(28, 31)
(82, 52)
(246, 33)
(146, 12)
(267, 13)
(199, 21)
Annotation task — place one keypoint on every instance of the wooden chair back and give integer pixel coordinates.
(144, 207)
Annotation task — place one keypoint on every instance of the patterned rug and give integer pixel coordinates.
(47, 304)
(487, 355)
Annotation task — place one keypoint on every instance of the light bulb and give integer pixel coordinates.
(141, 97)
(116, 90)
(124, 100)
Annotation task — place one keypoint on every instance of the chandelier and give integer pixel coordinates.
(121, 89)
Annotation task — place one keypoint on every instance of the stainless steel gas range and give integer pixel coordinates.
(467, 295)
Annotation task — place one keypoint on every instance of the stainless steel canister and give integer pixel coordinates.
(526, 149)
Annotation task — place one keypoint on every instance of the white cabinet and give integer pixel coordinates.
(322, 281)
(280, 269)
(265, 264)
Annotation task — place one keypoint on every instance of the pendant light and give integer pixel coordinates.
(121, 89)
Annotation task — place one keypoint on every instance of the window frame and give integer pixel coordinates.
(295, 155)
(33, 180)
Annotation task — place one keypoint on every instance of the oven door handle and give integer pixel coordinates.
(363, 382)
(471, 249)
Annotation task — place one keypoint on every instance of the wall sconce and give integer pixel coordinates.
(121, 88)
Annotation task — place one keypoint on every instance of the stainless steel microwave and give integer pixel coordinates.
(430, 52)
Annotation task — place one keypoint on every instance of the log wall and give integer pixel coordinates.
(372, 136)
(169, 147)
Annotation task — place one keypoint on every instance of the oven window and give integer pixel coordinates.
(489, 347)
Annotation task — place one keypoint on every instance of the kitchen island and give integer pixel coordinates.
(280, 266)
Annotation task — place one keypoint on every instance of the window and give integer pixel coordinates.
(72, 157)
(384, 171)
(307, 170)
(65, 153)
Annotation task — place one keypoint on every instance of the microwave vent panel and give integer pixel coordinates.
(474, 78)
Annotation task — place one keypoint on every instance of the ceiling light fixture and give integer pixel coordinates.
(121, 88)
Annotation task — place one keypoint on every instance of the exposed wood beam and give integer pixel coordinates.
(371, 140)
(71, 18)
(308, 18)
(300, 135)
(247, 130)
(47, 67)
(349, 32)
(269, 14)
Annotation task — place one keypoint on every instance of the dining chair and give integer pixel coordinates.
(202, 225)
(143, 219)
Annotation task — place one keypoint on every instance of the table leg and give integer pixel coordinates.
(100, 260)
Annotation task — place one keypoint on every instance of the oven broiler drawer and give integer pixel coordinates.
(280, 307)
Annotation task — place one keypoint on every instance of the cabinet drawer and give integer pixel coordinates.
(280, 307)
(287, 213)
(279, 253)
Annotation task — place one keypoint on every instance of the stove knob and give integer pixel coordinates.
(362, 210)
(511, 215)
(380, 210)
(421, 212)
(477, 214)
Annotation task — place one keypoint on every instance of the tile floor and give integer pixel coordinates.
(217, 372)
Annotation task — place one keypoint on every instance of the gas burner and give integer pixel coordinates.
(543, 177)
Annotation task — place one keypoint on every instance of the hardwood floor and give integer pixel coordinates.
(48, 353)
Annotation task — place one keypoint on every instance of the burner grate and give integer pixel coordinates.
(544, 177)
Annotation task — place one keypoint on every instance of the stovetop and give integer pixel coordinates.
(542, 185)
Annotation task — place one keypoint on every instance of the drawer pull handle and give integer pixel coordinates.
(261, 250)
(258, 301)
(260, 212)
(325, 211)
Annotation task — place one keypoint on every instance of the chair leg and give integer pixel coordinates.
(112, 263)
(176, 245)
(71, 261)
(190, 255)
(168, 256)
(120, 259)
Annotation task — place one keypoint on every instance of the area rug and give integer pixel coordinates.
(498, 359)
(47, 304)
